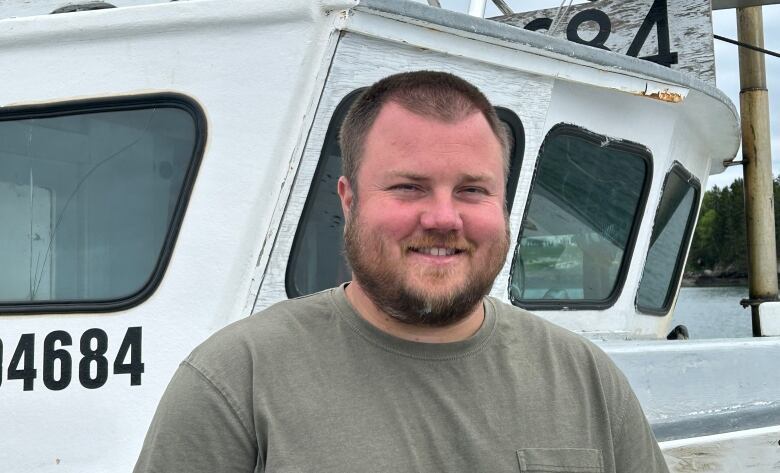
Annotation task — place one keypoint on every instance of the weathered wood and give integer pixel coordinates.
(757, 167)
(689, 29)
(726, 4)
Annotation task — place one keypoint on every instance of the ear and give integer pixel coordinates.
(346, 195)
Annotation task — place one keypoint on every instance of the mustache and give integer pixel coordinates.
(449, 241)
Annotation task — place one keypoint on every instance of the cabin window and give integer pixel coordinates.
(581, 220)
(674, 222)
(91, 195)
(317, 257)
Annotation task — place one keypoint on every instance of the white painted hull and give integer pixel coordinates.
(268, 77)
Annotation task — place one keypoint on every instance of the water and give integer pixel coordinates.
(713, 312)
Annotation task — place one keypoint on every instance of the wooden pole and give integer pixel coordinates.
(757, 164)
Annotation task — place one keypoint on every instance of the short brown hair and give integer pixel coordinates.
(439, 95)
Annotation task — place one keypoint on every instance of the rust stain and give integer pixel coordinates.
(664, 96)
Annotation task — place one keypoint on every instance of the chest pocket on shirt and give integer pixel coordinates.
(560, 460)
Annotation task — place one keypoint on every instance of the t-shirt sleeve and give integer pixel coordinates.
(635, 447)
(197, 428)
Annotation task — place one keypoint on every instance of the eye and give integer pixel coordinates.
(405, 187)
(474, 190)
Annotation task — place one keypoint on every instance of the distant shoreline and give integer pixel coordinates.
(710, 279)
(715, 282)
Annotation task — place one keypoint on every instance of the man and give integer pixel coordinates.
(409, 367)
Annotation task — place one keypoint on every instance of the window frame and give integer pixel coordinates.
(690, 226)
(631, 147)
(118, 104)
(507, 116)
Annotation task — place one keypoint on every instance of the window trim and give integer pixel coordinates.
(517, 132)
(515, 127)
(690, 225)
(634, 148)
(115, 104)
(334, 125)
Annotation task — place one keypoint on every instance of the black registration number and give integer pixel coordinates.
(59, 364)
(657, 17)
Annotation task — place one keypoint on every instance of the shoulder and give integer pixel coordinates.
(556, 352)
(531, 328)
(557, 345)
(269, 334)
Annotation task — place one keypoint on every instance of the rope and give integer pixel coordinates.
(746, 45)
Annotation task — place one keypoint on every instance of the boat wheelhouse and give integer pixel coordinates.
(168, 168)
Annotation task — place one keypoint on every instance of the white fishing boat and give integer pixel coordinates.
(168, 168)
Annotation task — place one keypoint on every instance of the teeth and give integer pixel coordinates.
(437, 251)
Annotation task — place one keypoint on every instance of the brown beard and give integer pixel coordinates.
(388, 291)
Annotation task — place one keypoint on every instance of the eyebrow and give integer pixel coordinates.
(420, 178)
(477, 177)
(408, 175)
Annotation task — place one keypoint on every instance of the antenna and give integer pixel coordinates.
(477, 8)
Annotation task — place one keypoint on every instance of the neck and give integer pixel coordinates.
(461, 330)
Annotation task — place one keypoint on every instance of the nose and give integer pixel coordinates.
(441, 214)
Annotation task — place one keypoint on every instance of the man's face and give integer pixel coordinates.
(428, 234)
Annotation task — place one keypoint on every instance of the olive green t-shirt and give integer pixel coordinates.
(309, 386)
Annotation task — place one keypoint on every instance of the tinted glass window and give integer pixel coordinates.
(88, 196)
(317, 258)
(668, 243)
(583, 211)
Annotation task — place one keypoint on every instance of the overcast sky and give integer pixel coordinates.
(726, 64)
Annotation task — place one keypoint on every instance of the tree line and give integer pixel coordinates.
(720, 239)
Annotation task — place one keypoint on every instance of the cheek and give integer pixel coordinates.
(390, 222)
(485, 226)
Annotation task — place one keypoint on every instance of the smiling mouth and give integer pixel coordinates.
(436, 251)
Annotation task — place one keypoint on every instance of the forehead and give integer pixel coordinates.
(400, 136)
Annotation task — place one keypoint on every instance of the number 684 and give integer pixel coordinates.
(92, 366)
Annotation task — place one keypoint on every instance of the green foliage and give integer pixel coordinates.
(720, 242)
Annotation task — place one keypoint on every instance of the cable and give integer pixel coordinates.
(748, 46)
(559, 17)
(501, 5)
